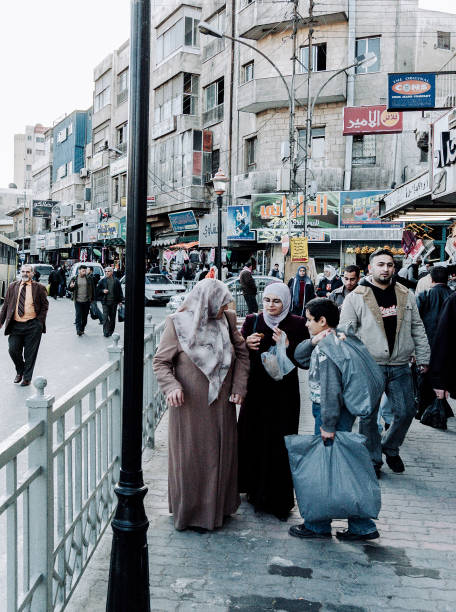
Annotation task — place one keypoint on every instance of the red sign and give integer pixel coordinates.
(371, 120)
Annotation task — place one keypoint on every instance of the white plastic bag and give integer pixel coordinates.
(275, 360)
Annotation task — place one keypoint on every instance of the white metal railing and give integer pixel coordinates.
(59, 472)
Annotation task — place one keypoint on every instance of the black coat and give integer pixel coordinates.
(430, 304)
(327, 286)
(117, 290)
(269, 412)
(442, 371)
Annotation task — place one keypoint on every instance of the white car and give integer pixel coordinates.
(43, 269)
(158, 288)
(234, 286)
(97, 268)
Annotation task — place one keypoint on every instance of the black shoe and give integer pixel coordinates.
(25, 383)
(352, 537)
(301, 531)
(18, 378)
(79, 333)
(395, 463)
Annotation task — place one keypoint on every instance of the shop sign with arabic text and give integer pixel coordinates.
(371, 120)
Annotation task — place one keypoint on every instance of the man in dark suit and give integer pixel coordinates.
(83, 291)
(24, 314)
(109, 290)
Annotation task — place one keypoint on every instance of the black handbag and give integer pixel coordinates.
(436, 414)
(93, 311)
(121, 313)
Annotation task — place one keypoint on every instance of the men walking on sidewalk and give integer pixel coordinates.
(24, 316)
(83, 294)
(109, 291)
(249, 288)
(385, 317)
(350, 280)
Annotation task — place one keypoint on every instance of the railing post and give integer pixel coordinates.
(115, 382)
(41, 498)
(149, 351)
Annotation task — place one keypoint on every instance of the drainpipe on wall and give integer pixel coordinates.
(230, 121)
(350, 88)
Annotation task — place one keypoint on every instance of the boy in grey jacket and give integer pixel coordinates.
(330, 414)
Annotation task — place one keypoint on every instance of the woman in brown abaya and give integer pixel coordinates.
(202, 367)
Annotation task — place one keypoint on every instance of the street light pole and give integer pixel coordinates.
(219, 180)
(128, 587)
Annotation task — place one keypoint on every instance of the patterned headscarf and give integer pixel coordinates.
(281, 291)
(204, 338)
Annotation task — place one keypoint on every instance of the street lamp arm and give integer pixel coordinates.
(242, 42)
(327, 81)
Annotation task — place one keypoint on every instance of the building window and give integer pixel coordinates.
(183, 32)
(247, 72)
(28, 168)
(39, 139)
(215, 94)
(122, 86)
(423, 156)
(318, 57)
(102, 92)
(444, 40)
(318, 143)
(99, 138)
(191, 38)
(29, 138)
(363, 153)
(29, 151)
(215, 162)
(365, 46)
(250, 154)
(190, 95)
(176, 97)
(61, 171)
(122, 137)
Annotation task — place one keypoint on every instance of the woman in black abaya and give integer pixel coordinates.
(271, 408)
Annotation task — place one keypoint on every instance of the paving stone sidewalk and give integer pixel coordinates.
(252, 564)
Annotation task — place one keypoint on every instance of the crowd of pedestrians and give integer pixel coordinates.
(363, 338)
(25, 307)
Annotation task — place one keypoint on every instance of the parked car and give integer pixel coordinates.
(43, 269)
(97, 268)
(234, 286)
(158, 288)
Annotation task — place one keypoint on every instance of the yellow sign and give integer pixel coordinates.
(299, 250)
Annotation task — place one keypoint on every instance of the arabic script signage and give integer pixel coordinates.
(371, 120)
(409, 192)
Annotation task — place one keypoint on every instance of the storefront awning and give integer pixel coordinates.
(164, 241)
(185, 245)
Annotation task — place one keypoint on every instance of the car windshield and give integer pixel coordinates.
(43, 269)
(97, 270)
(157, 279)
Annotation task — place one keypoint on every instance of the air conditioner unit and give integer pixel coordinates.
(79, 206)
(83, 173)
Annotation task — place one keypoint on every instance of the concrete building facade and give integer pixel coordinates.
(28, 148)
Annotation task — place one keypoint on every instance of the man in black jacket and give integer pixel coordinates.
(248, 287)
(442, 375)
(430, 302)
(109, 291)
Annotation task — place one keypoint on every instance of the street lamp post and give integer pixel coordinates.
(219, 180)
(128, 587)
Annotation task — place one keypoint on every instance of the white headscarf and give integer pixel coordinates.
(332, 272)
(205, 339)
(283, 292)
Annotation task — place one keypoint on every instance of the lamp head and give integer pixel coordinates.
(367, 60)
(208, 30)
(219, 179)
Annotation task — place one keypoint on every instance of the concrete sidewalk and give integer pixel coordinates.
(252, 564)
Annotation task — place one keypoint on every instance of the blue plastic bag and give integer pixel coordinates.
(334, 481)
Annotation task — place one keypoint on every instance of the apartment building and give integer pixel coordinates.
(28, 148)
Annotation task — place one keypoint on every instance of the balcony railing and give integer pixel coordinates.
(212, 116)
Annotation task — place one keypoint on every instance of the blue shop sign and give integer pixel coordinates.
(183, 221)
(411, 91)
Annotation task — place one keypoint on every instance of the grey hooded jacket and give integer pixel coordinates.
(361, 311)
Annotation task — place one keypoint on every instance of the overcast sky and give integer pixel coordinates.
(48, 49)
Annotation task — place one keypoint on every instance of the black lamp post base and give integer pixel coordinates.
(128, 587)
